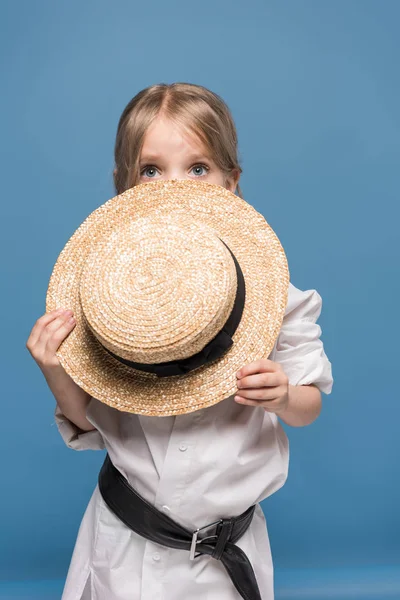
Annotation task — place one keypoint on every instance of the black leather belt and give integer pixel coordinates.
(150, 523)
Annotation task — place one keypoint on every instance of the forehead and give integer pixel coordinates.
(169, 136)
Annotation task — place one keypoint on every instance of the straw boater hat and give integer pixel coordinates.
(175, 285)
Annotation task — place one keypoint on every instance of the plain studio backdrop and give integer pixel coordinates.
(314, 90)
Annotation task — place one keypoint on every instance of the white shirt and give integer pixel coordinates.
(212, 463)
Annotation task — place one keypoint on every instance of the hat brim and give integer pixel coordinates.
(265, 269)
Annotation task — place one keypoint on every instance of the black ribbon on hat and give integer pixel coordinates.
(213, 350)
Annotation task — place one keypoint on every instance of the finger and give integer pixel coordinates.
(47, 332)
(258, 366)
(241, 400)
(259, 380)
(40, 324)
(58, 322)
(58, 336)
(269, 405)
(258, 393)
(40, 350)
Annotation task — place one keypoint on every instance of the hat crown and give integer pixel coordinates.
(157, 288)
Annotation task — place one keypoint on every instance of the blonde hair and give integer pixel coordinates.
(194, 107)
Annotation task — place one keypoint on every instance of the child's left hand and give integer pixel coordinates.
(263, 383)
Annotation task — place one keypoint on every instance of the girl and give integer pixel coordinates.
(186, 466)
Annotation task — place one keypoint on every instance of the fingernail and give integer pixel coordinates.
(238, 374)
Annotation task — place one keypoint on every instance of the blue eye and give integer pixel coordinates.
(200, 170)
(149, 171)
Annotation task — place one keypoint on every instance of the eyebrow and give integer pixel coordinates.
(148, 158)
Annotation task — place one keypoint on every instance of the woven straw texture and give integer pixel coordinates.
(147, 276)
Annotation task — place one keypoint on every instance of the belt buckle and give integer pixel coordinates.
(195, 541)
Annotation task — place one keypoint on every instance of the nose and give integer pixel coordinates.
(176, 174)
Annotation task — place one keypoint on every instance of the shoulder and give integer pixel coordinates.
(305, 305)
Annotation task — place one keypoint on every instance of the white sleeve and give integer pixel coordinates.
(74, 437)
(298, 347)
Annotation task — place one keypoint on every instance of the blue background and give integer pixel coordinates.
(314, 89)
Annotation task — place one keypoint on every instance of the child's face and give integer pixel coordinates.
(171, 153)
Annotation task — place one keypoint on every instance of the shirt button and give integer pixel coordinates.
(156, 557)
(166, 508)
(182, 447)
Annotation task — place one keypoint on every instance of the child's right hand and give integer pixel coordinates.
(46, 336)
(44, 340)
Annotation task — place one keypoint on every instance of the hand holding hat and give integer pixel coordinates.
(263, 383)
